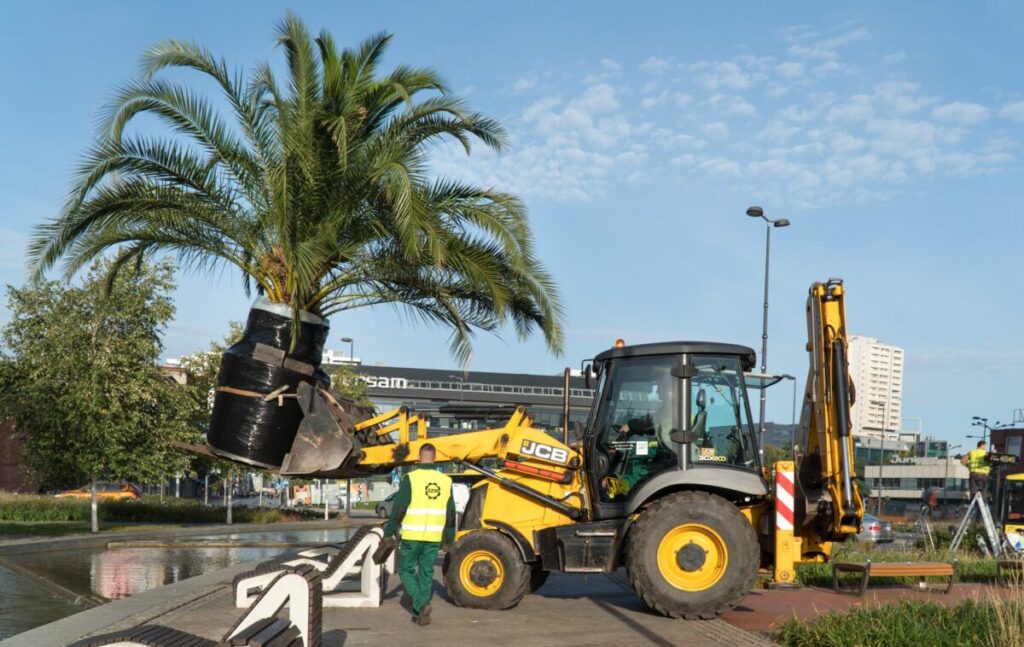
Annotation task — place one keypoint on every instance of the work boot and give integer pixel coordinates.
(425, 616)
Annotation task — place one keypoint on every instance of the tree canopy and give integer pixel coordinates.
(80, 377)
(316, 187)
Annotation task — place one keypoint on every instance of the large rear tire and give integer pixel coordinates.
(485, 571)
(692, 555)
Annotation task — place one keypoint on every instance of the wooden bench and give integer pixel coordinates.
(297, 587)
(1015, 566)
(871, 569)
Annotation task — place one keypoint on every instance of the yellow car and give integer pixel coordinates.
(105, 491)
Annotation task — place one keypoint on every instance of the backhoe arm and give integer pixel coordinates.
(828, 502)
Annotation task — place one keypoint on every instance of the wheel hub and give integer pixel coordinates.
(482, 573)
(691, 557)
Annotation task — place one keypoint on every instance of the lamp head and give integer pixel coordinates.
(781, 222)
(755, 212)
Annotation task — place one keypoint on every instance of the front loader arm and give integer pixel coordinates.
(829, 505)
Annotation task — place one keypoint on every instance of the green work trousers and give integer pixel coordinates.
(416, 570)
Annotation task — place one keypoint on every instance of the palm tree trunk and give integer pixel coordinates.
(93, 507)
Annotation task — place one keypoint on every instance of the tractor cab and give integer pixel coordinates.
(671, 416)
(1012, 503)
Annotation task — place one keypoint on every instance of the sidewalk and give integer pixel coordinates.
(568, 610)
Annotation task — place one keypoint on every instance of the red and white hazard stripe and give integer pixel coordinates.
(784, 500)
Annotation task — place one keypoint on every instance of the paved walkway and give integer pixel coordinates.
(568, 610)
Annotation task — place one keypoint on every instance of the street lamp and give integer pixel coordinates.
(351, 349)
(758, 212)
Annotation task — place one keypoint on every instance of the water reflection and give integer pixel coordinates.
(117, 573)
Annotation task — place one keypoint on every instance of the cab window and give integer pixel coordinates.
(634, 423)
(721, 417)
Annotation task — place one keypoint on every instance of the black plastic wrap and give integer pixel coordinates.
(251, 429)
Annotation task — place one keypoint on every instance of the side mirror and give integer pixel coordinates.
(684, 437)
(587, 370)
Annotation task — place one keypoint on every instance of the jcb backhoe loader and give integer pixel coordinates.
(665, 481)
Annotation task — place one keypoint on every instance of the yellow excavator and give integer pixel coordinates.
(665, 480)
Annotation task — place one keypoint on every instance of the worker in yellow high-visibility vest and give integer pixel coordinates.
(976, 462)
(424, 509)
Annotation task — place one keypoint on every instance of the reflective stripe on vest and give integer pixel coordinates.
(977, 463)
(428, 508)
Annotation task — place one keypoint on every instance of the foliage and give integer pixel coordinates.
(909, 623)
(80, 378)
(348, 383)
(316, 189)
(28, 508)
(970, 568)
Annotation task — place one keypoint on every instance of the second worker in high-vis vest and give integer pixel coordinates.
(976, 461)
(424, 510)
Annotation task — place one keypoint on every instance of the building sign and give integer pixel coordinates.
(385, 382)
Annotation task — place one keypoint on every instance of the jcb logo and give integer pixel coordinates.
(547, 452)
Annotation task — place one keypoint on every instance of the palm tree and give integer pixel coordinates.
(317, 190)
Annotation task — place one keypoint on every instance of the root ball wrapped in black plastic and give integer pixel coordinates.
(253, 420)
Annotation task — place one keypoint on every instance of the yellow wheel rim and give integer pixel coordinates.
(692, 557)
(481, 573)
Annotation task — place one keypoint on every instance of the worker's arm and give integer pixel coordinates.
(448, 536)
(401, 504)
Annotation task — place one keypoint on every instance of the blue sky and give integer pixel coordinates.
(888, 133)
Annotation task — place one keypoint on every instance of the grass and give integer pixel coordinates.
(149, 509)
(909, 623)
(971, 567)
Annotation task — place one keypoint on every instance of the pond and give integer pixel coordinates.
(105, 574)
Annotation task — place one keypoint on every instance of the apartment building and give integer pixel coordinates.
(877, 372)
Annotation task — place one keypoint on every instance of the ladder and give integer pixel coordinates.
(924, 530)
(991, 533)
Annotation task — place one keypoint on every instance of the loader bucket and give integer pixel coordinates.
(325, 444)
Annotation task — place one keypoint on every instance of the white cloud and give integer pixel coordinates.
(896, 57)
(804, 46)
(524, 83)
(715, 129)
(791, 70)
(732, 106)
(1014, 111)
(960, 113)
(655, 66)
(725, 74)
(721, 166)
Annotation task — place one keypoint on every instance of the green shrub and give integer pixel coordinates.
(149, 509)
(909, 623)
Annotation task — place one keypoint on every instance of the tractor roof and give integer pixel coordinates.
(746, 355)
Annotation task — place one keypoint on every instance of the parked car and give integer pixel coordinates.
(104, 490)
(875, 530)
(384, 507)
(460, 492)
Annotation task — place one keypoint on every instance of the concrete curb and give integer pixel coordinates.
(73, 542)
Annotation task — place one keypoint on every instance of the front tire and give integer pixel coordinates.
(692, 555)
(485, 571)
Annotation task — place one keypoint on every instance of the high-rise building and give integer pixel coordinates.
(877, 372)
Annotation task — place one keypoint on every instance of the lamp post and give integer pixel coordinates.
(881, 482)
(985, 428)
(945, 483)
(792, 416)
(758, 212)
(351, 349)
